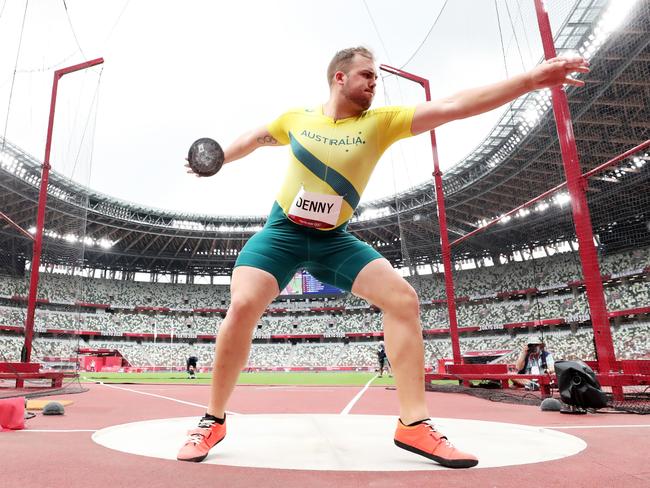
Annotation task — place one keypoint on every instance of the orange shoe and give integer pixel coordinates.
(207, 435)
(425, 440)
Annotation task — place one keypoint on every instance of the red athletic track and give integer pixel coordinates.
(615, 456)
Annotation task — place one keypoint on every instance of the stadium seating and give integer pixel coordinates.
(159, 324)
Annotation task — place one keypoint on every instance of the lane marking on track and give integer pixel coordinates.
(59, 430)
(161, 396)
(297, 388)
(349, 406)
(621, 426)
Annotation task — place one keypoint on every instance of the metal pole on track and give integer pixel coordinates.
(442, 218)
(40, 215)
(577, 186)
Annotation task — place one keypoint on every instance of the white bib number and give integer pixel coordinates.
(315, 209)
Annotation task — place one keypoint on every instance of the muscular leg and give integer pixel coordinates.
(251, 290)
(380, 284)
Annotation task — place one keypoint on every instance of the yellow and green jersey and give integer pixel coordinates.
(336, 157)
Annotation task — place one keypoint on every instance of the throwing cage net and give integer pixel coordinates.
(48, 360)
(519, 272)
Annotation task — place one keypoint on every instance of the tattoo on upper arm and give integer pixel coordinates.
(267, 140)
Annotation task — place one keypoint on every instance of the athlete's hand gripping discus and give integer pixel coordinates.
(205, 157)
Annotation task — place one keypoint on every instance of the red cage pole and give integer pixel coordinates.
(442, 218)
(577, 185)
(40, 215)
(13, 224)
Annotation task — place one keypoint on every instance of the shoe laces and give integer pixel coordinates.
(436, 434)
(195, 437)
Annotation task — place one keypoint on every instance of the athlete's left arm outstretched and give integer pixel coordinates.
(474, 101)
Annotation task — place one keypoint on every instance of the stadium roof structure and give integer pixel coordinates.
(518, 160)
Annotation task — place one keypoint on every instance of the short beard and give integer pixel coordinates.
(362, 102)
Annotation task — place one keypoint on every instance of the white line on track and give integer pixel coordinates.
(161, 396)
(297, 388)
(349, 406)
(621, 426)
(636, 426)
(59, 430)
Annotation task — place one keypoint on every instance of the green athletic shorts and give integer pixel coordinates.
(282, 247)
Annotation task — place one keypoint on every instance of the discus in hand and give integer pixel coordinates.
(205, 157)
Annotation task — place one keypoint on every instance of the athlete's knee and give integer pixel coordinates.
(403, 301)
(245, 307)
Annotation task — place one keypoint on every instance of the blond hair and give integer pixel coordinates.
(342, 59)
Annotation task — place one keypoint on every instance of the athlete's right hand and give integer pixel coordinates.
(190, 170)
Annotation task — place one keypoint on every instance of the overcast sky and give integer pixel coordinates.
(175, 71)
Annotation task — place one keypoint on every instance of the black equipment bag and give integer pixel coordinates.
(578, 385)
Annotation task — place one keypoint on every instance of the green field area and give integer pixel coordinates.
(261, 378)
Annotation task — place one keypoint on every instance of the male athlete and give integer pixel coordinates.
(333, 149)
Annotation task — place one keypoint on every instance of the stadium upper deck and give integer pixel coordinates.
(517, 161)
